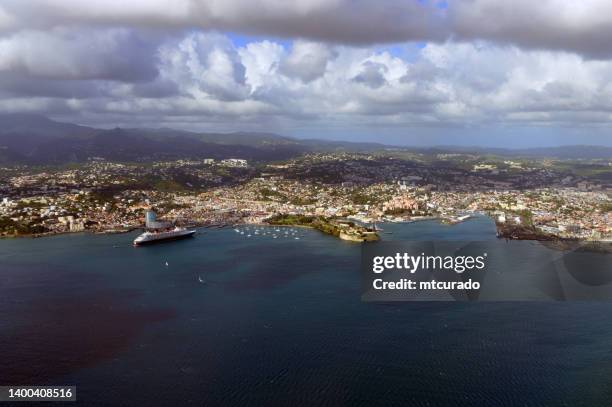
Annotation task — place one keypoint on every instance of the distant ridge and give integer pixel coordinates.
(36, 124)
(36, 139)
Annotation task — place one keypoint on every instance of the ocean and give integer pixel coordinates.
(226, 319)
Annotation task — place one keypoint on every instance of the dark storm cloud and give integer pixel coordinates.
(79, 54)
(339, 21)
(356, 22)
(582, 27)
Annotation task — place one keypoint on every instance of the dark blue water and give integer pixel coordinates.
(260, 321)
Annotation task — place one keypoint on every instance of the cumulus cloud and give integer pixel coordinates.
(205, 66)
(450, 84)
(261, 60)
(372, 74)
(476, 62)
(307, 60)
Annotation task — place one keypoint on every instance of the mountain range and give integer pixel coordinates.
(35, 139)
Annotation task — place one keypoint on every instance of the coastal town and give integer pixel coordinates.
(342, 191)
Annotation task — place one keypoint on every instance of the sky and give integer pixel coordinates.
(518, 73)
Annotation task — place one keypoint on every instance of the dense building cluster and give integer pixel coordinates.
(102, 196)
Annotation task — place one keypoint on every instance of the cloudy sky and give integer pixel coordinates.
(490, 72)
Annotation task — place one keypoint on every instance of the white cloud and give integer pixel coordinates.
(475, 63)
(307, 60)
(202, 79)
(205, 66)
(261, 60)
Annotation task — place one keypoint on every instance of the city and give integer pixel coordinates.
(527, 199)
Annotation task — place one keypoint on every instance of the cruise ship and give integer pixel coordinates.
(159, 236)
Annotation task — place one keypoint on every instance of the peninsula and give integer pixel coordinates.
(345, 230)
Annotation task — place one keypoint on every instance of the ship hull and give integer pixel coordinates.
(162, 239)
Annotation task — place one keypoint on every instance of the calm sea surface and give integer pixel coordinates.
(261, 321)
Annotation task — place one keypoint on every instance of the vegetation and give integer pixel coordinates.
(268, 194)
(320, 223)
(359, 198)
(396, 211)
(298, 201)
(168, 186)
(10, 227)
(606, 207)
(526, 217)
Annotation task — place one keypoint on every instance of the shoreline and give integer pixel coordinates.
(86, 231)
(502, 232)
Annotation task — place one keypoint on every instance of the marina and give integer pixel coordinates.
(274, 232)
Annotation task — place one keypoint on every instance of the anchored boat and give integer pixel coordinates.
(163, 235)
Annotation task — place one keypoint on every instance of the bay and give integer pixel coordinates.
(237, 320)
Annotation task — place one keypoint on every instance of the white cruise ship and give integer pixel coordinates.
(158, 236)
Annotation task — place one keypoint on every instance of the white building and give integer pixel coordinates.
(234, 162)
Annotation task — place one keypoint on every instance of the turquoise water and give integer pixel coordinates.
(237, 320)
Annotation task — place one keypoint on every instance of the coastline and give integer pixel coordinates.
(67, 232)
(42, 235)
(503, 231)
